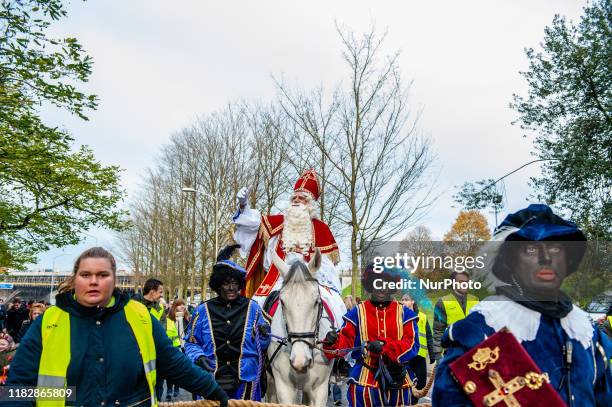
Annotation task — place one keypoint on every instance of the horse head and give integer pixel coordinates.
(301, 306)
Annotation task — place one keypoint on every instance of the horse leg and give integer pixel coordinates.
(271, 390)
(286, 392)
(319, 395)
(315, 396)
(316, 388)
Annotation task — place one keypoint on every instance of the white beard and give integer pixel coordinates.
(297, 229)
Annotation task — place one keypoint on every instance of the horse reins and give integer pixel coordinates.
(293, 337)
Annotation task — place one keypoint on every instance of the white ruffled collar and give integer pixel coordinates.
(499, 311)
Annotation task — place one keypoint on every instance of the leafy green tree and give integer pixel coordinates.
(568, 106)
(479, 195)
(49, 193)
(35, 68)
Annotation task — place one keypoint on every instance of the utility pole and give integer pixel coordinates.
(190, 190)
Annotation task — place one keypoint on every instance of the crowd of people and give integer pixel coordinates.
(136, 349)
(175, 317)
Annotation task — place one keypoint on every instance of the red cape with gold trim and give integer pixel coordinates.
(258, 282)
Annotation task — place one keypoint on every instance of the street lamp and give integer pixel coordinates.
(216, 224)
(513, 171)
(189, 190)
(51, 298)
(497, 199)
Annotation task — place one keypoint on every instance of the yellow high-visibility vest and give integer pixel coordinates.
(454, 312)
(172, 332)
(610, 322)
(55, 356)
(422, 325)
(157, 314)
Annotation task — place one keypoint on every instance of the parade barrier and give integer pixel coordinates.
(249, 403)
(231, 403)
(241, 403)
(423, 392)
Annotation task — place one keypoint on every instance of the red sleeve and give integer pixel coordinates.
(402, 350)
(346, 339)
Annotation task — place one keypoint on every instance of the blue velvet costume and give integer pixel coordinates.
(591, 377)
(226, 336)
(199, 341)
(544, 335)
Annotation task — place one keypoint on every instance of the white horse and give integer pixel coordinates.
(299, 364)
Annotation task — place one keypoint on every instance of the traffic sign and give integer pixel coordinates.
(6, 286)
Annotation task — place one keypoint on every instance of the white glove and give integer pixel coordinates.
(242, 197)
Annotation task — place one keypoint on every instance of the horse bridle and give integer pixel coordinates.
(294, 337)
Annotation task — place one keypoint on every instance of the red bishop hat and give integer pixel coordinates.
(308, 182)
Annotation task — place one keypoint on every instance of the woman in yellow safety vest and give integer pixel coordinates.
(175, 328)
(418, 364)
(98, 347)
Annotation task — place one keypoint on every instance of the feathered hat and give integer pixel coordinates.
(225, 269)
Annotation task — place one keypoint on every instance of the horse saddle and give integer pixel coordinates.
(271, 303)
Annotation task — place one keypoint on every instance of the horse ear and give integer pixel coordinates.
(280, 264)
(315, 262)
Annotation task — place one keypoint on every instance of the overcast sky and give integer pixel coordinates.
(159, 64)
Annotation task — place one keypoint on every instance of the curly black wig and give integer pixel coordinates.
(225, 270)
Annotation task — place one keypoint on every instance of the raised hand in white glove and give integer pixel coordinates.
(242, 197)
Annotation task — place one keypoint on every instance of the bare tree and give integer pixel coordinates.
(362, 140)
(182, 213)
(268, 164)
(316, 118)
(418, 241)
(378, 163)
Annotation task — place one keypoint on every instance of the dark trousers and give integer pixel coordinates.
(336, 392)
(418, 365)
(172, 390)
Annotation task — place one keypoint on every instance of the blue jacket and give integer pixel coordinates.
(105, 364)
(199, 340)
(591, 377)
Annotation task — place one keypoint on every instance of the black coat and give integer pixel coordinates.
(24, 328)
(14, 320)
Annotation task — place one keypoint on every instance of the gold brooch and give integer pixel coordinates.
(469, 387)
(535, 380)
(483, 357)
